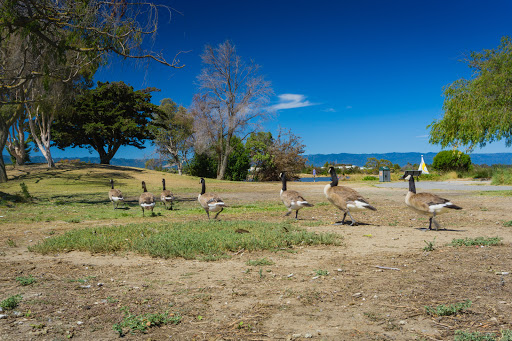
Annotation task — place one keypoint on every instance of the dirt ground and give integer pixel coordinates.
(378, 284)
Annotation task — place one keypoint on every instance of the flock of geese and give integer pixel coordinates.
(344, 198)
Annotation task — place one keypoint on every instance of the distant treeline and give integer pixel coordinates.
(319, 160)
(402, 159)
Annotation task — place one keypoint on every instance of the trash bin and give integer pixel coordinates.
(384, 174)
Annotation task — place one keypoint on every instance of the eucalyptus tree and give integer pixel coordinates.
(172, 128)
(55, 40)
(478, 111)
(231, 100)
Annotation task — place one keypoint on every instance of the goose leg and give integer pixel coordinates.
(208, 214)
(430, 223)
(354, 223)
(142, 211)
(342, 221)
(222, 209)
(296, 214)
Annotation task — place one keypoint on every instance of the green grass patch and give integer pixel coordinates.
(140, 323)
(321, 272)
(502, 176)
(486, 241)
(462, 335)
(260, 262)
(507, 223)
(27, 280)
(370, 178)
(208, 240)
(430, 246)
(11, 302)
(447, 310)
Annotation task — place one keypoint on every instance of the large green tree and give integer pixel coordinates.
(105, 118)
(478, 111)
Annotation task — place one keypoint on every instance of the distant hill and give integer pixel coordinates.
(140, 163)
(320, 159)
(403, 158)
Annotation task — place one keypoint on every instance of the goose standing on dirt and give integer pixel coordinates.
(115, 195)
(292, 199)
(345, 198)
(166, 197)
(426, 203)
(146, 200)
(209, 201)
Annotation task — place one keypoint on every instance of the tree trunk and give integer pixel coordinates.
(44, 123)
(3, 139)
(16, 141)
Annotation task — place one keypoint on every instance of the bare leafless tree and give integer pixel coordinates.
(232, 100)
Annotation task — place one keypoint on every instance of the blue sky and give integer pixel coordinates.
(359, 76)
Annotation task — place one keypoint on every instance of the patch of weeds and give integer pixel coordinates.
(25, 280)
(11, 302)
(24, 192)
(372, 317)
(261, 273)
(11, 243)
(259, 262)
(477, 241)
(73, 220)
(140, 323)
(447, 310)
(320, 272)
(242, 325)
(508, 223)
(370, 178)
(461, 335)
(430, 246)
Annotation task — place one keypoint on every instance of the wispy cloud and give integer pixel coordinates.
(422, 136)
(348, 107)
(291, 101)
(330, 110)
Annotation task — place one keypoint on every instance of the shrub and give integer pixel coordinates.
(448, 160)
(502, 176)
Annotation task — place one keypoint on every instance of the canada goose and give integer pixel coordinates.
(166, 196)
(115, 195)
(146, 200)
(292, 199)
(209, 201)
(345, 198)
(426, 203)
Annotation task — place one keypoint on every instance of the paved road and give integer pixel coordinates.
(448, 185)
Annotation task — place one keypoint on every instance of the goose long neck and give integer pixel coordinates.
(112, 184)
(203, 187)
(334, 178)
(283, 181)
(412, 186)
(144, 186)
(163, 184)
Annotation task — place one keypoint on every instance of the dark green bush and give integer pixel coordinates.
(451, 160)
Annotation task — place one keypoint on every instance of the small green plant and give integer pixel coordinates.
(430, 246)
(25, 280)
(24, 192)
(477, 241)
(11, 302)
(261, 273)
(461, 335)
(111, 299)
(260, 262)
(370, 178)
(141, 323)
(507, 223)
(446, 310)
(11, 243)
(320, 272)
(74, 220)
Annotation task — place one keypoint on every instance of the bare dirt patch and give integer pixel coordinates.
(378, 283)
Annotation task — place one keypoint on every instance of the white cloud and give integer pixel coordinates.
(330, 110)
(422, 136)
(348, 107)
(291, 101)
